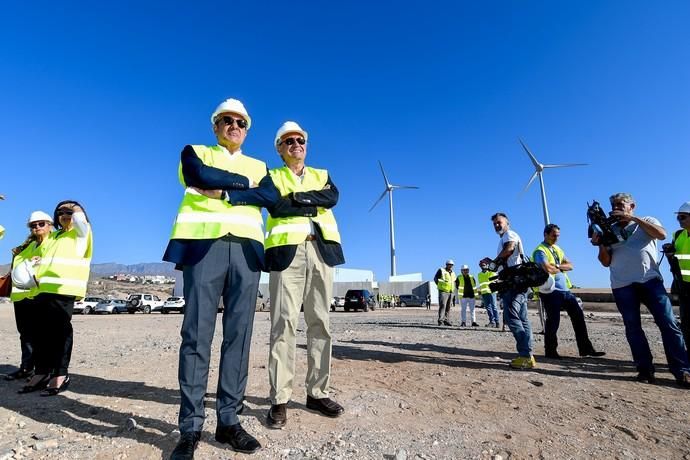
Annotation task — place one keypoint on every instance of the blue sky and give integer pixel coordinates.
(99, 100)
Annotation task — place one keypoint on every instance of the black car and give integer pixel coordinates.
(359, 299)
(412, 301)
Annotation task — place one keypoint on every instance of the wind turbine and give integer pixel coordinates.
(389, 189)
(539, 171)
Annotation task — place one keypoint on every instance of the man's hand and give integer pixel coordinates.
(622, 215)
(216, 194)
(596, 239)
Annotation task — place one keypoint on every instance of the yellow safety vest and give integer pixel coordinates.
(20, 294)
(200, 217)
(286, 231)
(461, 281)
(61, 270)
(484, 281)
(446, 282)
(682, 244)
(552, 260)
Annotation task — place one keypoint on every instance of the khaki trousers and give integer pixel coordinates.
(307, 281)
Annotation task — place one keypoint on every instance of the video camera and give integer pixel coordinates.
(519, 278)
(602, 224)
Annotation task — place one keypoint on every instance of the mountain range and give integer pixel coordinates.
(111, 268)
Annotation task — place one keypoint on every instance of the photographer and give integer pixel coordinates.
(552, 259)
(678, 253)
(635, 279)
(510, 253)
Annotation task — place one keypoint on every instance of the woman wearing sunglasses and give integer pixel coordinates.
(23, 290)
(63, 274)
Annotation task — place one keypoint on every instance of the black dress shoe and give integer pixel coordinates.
(552, 355)
(55, 390)
(475, 325)
(239, 440)
(277, 416)
(19, 374)
(595, 354)
(684, 380)
(326, 406)
(184, 450)
(647, 377)
(447, 323)
(41, 384)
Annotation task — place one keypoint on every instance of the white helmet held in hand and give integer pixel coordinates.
(232, 106)
(24, 275)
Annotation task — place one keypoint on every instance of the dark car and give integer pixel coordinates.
(412, 300)
(359, 299)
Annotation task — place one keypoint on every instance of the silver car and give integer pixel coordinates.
(173, 304)
(113, 306)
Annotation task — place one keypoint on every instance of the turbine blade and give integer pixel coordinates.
(565, 165)
(377, 201)
(388, 184)
(405, 186)
(531, 179)
(529, 153)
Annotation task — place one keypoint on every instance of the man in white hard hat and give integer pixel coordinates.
(558, 297)
(445, 283)
(217, 242)
(678, 252)
(467, 286)
(302, 247)
(636, 279)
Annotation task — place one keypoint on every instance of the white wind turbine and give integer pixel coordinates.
(539, 171)
(389, 189)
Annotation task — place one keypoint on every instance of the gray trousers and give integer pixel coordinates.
(445, 301)
(230, 269)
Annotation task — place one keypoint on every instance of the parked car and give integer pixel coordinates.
(86, 305)
(411, 300)
(173, 304)
(337, 302)
(359, 299)
(112, 306)
(261, 303)
(145, 303)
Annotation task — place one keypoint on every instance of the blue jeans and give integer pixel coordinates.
(515, 316)
(489, 301)
(654, 296)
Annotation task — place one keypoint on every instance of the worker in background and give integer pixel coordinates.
(466, 285)
(488, 297)
(445, 283)
(678, 253)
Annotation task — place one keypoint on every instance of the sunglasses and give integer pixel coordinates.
(681, 217)
(35, 225)
(229, 121)
(65, 212)
(292, 140)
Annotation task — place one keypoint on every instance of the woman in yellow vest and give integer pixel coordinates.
(40, 226)
(63, 275)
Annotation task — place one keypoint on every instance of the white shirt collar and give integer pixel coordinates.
(231, 155)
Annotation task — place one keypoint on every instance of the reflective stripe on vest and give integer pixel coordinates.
(200, 217)
(446, 281)
(61, 270)
(20, 294)
(552, 260)
(461, 281)
(682, 245)
(484, 281)
(288, 231)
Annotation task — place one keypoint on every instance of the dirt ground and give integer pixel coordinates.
(411, 389)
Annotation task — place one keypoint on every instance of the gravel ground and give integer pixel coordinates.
(411, 390)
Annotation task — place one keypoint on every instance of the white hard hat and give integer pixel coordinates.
(232, 106)
(24, 276)
(549, 286)
(38, 216)
(290, 127)
(450, 262)
(464, 267)
(2, 231)
(684, 208)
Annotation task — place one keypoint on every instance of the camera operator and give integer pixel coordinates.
(510, 253)
(552, 259)
(678, 253)
(635, 279)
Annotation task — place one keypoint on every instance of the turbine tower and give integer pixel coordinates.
(538, 172)
(389, 189)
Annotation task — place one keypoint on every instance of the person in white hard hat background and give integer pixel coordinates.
(558, 296)
(302, 247)
(466, 285)
(678, 252)
(445, 283)
(40, 225)
(488, 297)
(636, 279)
(217, 242)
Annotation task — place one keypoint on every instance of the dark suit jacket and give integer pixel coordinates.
(197, 174)
(304, 204)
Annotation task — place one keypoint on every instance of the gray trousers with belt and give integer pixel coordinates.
(230, 269)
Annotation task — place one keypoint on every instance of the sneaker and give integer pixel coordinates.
(523, 362)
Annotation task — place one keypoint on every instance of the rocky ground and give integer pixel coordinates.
(411, 390)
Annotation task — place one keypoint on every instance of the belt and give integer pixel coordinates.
(310, 238)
